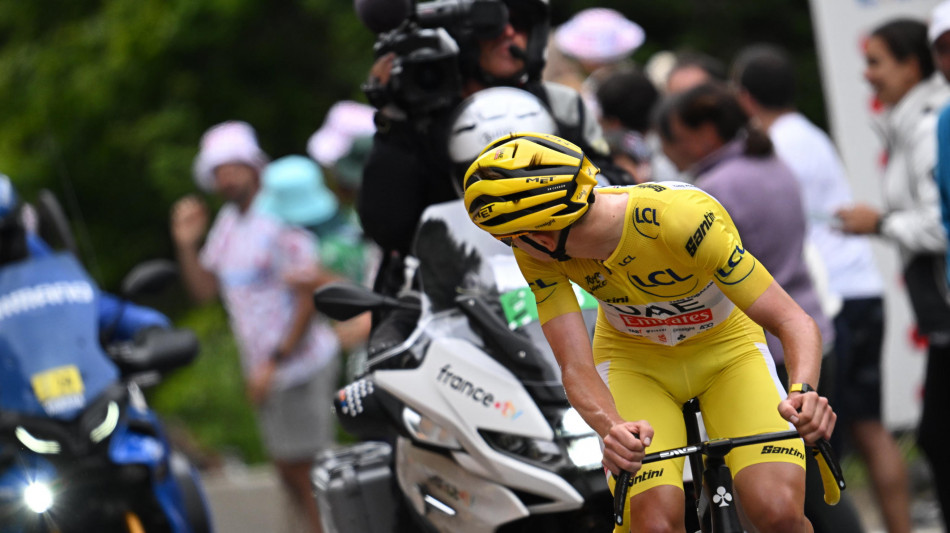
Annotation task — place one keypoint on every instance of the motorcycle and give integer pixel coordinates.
(80, 450)
(465, 424)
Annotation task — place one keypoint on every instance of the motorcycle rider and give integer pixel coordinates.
(409, 164)
(117, 320)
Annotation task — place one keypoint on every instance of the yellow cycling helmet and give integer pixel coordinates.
(524, 182)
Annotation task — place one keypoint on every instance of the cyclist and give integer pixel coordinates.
(682, 306)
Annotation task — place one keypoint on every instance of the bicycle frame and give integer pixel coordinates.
(714, 498)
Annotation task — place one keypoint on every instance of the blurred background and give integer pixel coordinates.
(103, 103)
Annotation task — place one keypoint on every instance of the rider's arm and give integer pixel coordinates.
(587, 393)
(120, 320)
(566, 332)
(778, 313)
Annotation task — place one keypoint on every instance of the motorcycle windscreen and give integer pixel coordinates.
(51, 362)
(456, 257)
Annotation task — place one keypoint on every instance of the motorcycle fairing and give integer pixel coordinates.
(131, 446)
(457, 379)
(51, 362)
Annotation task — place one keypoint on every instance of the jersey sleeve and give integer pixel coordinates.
(705, 236)
(552, 289)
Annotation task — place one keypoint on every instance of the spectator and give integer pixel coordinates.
(765, 78)
(900, 69)
(705, 132)
(598, 37)
(938, 368)
(692, 69)
(294, 191)
(288, 355)
(626, 98)
(409, 168)
(341, 147)
(597, 40)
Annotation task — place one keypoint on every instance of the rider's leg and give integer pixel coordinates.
(658, 510)
(773, 497)
(769, 478)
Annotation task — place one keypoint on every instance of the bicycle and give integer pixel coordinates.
(714, 507)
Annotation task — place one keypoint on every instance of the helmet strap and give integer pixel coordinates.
(559, 252)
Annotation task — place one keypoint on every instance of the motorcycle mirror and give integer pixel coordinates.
(343, 301)
(54, 225)
(157, 350)
(148, 277)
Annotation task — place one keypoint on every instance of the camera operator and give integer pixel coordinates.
(492, 43)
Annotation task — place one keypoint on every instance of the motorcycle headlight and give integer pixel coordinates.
(541, 451)
(37, 445)
(585, 452)
(38, 497)
(583, 444)
(108, 424)
(426, 430)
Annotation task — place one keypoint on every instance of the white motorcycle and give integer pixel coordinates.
(465, 424)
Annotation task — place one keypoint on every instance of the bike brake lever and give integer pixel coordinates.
(623, 483)
(621, 486)
(832, 478)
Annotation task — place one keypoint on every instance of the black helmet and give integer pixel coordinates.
(469, 21)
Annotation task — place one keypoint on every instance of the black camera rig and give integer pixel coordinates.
(427, 70)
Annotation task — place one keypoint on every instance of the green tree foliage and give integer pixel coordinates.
(104, 102)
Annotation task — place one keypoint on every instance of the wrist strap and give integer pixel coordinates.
(801, 387)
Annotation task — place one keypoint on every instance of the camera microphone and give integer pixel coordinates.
(382, 15)
(517, 52)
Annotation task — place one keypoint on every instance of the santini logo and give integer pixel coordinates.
(648, 474)
(768, 449)
(694, 241)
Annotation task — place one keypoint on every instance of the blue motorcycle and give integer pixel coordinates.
(79, 448)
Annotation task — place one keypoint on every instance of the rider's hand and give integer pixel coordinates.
(810, 413)
(622, 449)
(189, 221)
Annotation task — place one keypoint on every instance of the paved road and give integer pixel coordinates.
(249, 501)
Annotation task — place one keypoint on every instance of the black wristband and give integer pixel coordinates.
(801, 387)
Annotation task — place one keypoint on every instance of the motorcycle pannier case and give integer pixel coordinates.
(354, 489)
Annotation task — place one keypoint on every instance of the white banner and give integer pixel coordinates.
(841, 28)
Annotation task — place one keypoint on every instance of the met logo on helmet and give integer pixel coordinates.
(539, 180)
(484, 212)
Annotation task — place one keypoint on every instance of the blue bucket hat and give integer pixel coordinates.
(292, 189)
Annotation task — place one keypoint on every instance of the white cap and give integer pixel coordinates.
(599, 34)
(939, 21)
(229, 142)
(346, 121)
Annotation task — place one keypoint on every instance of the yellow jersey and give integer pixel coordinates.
(677, 275)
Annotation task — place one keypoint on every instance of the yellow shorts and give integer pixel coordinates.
(733, 376)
